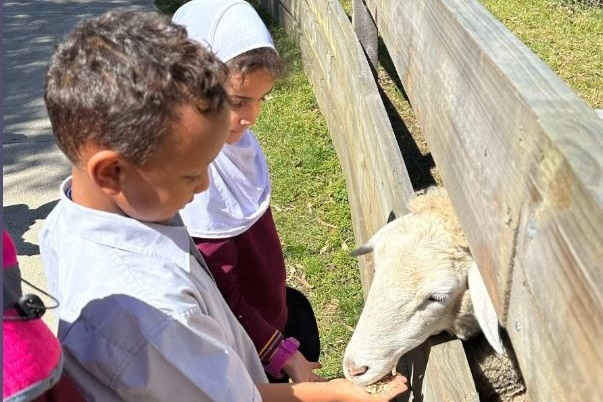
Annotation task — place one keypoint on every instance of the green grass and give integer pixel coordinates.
(566, 36)
(310, 206)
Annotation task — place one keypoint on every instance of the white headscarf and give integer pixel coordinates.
(239, 189)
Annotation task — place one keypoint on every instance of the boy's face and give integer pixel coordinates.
(247, 92)
(156, 191)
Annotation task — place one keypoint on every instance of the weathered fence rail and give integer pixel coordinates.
(376, 177)
(520, 154)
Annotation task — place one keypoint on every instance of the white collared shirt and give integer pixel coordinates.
(140, 317)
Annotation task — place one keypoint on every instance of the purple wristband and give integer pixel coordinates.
(287, 348)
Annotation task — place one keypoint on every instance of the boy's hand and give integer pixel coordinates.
(349, 391)
(301, 370)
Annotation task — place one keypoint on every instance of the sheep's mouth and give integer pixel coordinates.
(382, 384)
(373, 377)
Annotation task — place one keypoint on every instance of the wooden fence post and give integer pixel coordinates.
(366, 30)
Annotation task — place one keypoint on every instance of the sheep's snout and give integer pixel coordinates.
(353, 370)
(364, 374)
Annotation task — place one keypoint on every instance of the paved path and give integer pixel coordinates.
(33, 167)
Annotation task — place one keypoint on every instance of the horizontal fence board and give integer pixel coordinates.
(521, 155)
(533, 342)
(439, 384)
(438, 371)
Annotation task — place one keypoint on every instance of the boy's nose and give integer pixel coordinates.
(202, 186)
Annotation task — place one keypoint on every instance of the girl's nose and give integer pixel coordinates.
(251, 114)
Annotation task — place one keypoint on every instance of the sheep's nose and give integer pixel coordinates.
(354, 370)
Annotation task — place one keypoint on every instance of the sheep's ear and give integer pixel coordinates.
(483, 308)
(365, 249)
(377, 237)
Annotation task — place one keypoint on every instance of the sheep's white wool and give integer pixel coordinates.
(425, 282)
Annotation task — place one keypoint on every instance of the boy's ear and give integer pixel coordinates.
(105, 169)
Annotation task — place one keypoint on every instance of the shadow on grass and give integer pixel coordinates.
(418, 165)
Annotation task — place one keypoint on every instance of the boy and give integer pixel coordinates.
(141, 111)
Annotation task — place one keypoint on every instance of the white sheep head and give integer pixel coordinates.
(424, 283)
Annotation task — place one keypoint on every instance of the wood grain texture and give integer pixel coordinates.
(366, 31)
(441, 387)
(376, 178)
(434, 371)
(521, 155)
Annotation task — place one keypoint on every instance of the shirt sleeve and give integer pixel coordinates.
(123, 346)
(222, 259)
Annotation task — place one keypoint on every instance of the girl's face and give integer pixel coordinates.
(247, 92)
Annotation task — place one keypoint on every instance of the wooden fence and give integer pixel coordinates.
(519, 153)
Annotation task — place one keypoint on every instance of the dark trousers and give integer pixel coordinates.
(301, 324)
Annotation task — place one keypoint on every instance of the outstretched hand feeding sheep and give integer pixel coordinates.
(425, 282)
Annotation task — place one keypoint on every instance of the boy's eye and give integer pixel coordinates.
(192, 179)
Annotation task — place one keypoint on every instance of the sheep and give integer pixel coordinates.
(426, 282)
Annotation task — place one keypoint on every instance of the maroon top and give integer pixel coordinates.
(249, 270)
(63, 391)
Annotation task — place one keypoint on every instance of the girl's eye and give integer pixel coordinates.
(236, 102)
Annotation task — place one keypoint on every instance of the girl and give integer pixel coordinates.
(231, 223)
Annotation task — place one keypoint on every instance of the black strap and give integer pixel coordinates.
(11, 287)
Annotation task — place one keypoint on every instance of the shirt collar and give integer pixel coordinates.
(160, 241)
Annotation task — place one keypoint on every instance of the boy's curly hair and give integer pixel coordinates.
(118, 79)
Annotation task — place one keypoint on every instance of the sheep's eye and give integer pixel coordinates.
(438, 297)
